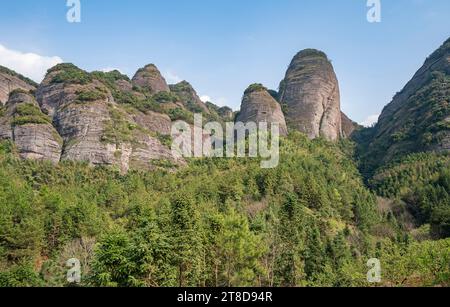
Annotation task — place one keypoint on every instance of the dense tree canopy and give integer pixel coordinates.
(217, 222)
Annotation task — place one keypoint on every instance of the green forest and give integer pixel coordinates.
(312, 221)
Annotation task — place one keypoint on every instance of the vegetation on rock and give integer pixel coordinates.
(29, 113)
(69, 73)
(7, 71)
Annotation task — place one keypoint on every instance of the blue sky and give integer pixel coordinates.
(222, 46)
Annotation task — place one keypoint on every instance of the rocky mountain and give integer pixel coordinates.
(150, 78)
(259, 106)
(348, 126)
(10, 80)
(418, 118)
(310, 92)
(94, 117)
(189, 97)
(29, 128)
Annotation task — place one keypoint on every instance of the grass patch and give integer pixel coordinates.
(90, 95)
(29, 113)
(256, 87)
(165, 97)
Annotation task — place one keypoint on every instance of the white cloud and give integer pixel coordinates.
(172, 78)
(370, 121)
(219, 101)
(205, 98)
(31, 65)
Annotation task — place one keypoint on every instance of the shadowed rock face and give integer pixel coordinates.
(311, 92)
(348, 126)
(259, 106)
(10, 81)
(30, 129)
(150, 78)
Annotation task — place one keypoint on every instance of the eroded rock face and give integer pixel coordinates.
(156, 122)
(33, 135)
(311, 92)
(150, 78)
(348, 126)
(10, 81)
(38, 142)
(259, 106)
(95, 128)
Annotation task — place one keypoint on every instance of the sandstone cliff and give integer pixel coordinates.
(30, 129)
(10, 80)
(150, 78)
(97, 129)
(310, 91)
(259, 106)
(348, 126)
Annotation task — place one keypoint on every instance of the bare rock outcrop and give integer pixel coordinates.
(95, 128)
(259, 106)
(150, 78)
(30, 130)
(348, 126)
(310, 91)
(10, 80)
(155, 122)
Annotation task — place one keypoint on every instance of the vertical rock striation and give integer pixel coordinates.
(150, 78)
(259, 106)
(310, 91)
(30, 129)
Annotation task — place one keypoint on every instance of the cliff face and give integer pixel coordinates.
(418, 118)
(259, 106)
(150, 78)
(10, 80)
(348, 126)
(30, 129)
(97, 129)
(310, 91)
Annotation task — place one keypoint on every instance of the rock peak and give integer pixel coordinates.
(259, 106)
(150, 78)
(310, 91)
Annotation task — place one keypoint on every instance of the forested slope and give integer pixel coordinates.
(216, 222)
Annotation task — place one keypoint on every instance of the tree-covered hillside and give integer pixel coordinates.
(215, 222)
